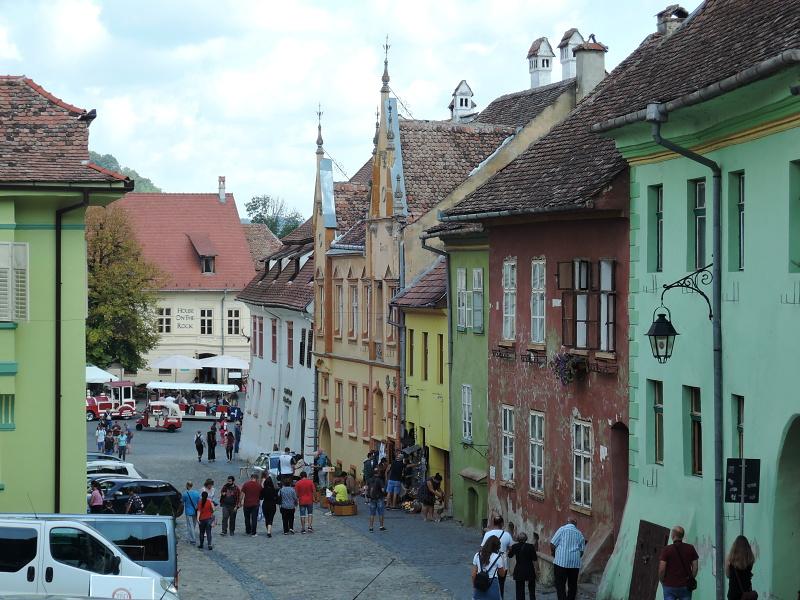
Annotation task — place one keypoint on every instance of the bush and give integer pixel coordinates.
(166, 509)
(151, 509)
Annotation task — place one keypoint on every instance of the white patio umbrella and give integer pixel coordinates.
(97, 375)
(223, 361)
(176, 361)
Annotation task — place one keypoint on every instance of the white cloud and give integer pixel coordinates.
(8, 49)
(74, 28)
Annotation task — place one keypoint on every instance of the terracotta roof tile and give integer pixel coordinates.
(355, 236)
(454, 228)
(262, 242)
(304, 233)
(289, 285)
(162, 224)
(351, 201)
(519, 108)
(364, 174)
(567, 34)
(428, 290)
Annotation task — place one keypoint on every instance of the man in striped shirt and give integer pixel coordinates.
(567, 546)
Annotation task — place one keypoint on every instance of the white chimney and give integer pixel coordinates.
(669, 19)
(569, 41)
(462, 108)
(540, 62)
(590, 58)
(222, 189)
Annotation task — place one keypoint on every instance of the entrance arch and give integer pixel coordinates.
(325, 437)
(619, 473)
(786, 519)
(378, 414)
(303, 444)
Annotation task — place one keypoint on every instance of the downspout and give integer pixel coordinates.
(656, 114)
(449, 305)
(401, 332)
(57, 362)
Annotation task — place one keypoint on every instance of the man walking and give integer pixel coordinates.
(122, 445)
(230, 501)
(505, 543)
(305, 498)
(251, 492)
(396, 471)
(190, 499)
(677, 567)
(211, 442)
(100, 437)
(375, 495)
(368, 467)
(567, 546)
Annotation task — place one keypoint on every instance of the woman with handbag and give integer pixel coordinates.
(739, 569)
(487, 565)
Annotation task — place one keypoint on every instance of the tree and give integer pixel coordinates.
(120, 326)
(274, 213)
(108, 161)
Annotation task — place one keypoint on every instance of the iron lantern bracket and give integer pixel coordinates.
(693, 281)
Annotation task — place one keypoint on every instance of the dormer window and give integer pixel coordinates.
(206, 251)
(207, 264)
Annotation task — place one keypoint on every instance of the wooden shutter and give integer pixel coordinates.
(593, 322)
(6, 304)
(564, 276)
(568, 318)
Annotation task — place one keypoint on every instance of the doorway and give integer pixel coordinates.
(649, 543)
(786, 522)
(206, 374)
(619, 473)
(325, 437)
(472, 507)
(378, 414)
(303, 444)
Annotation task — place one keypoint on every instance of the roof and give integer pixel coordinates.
(453, 229)
(428, 290)
(44, 138)
(364, 174)
(536, 46)
(262, 242)
(567, 35)
(355, 236)
(304, 233)
(163, 223)
(351, 201)
(438, 155)
(202, 243)
(287, 284)
(520, 108)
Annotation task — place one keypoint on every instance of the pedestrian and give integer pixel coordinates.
(286, 464)
(237, 434)
(251, 496)
(677, 567)
(211, 437)
(96, 498)
(395, 488)
(100, 437)
(368, 467)
(190, 499)
(304, 489)
(505, 543)
(739, 569)
(429, 491)
(122, 445)
(205, 513)
(525, 567)
(199, 445)
(376, 494)
(107, 419)
(135, 505)
(487, 567)
(320, 462)
(208, 486)
(288, 499)
(129, 433)
(269, 501)
(230, 500)
(230, 442)
(567, 546)
(109, 443)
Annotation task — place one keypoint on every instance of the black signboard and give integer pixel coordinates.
(733, 480)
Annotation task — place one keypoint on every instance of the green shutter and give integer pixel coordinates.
(7, 412)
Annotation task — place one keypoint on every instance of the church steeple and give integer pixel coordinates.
(385, 77)
(320, 150)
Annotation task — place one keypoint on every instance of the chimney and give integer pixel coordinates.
(222, 189)
(590, 59)
(540, 62)
(670, 19)
(569, 41)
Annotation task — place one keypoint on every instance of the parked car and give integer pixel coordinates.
(93, 456)
(112, 467)
(117, 492)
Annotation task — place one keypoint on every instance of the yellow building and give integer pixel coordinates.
(427, 409)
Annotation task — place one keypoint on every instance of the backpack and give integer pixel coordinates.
(482, 580)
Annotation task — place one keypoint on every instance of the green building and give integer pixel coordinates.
(741, 110)
(46, 182)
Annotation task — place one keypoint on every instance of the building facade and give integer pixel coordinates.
(46, 182)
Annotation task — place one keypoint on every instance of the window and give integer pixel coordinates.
(466, 412)
(581, 303)
(477, 300)
(391, 312)
(699, 224)
(659, 228)
(6, 417)
(78, 549)
(353, 311)
(608, 303)
(365, 420)
(507, 433)
(338, 314)
(582, 458)
(165, 371)
(537, 301)
(696, 429)
(738, 407)
(425, 356)
(320, 308)
(207, 264)
(339, 394)
(324, 385)
(233, 321)
(657, 392)
(253, 340)
(309, 349)
(411, 352)
(260, 342)
(274, 340)
(740, 219)
(17, 548)
(509, 298)
(164, 320)
(379, 311)
(303, 347)
(365, 321)
(352, 405)
(290, 344)
(440, 361)
(537, 451)
(140, 541)
(206, 321)
(461, 298)
(545, 62)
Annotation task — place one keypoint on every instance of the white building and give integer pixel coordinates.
(280, 407)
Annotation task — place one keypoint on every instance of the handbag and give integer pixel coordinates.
(482, 580)
(750, 595)
(691, 582)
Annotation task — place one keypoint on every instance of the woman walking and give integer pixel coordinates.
(525, 567)
(96, 499)
(198, 445)
(205, 513)
(739, 569)
(269, 502)
(289, 501)
(487, 565)
(230, 441)
(211, 437)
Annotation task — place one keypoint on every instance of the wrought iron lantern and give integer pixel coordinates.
(662, 335)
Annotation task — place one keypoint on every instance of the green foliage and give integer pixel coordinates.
(165, 510)
(120, 326)
(108, 161)
(274, 213)
(151, 509)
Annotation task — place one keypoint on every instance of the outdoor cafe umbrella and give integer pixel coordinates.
(223, 361)
(175, 362)
(97, 375)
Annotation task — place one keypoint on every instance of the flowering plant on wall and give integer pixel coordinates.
(567, 367)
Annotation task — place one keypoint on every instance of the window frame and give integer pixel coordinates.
(338, 410)
(658, 421)
(274, 341)
(699, 219)
(466, 412)
(440, 358)
(607, 309)
(234, 321)
(507, 442)
(478, 316)
(164, 319)
(461, 298)
(290, 344)
(659, 226)
(538, 291)
(207, 265)
(352, 324)
(338, 309)
(696, 431)
(536, 440)
(740, 206)
(352, 408)
(509, 330)
(410, 366)
(425, 355)
(581, 458)
(206, 321)
(320, 323)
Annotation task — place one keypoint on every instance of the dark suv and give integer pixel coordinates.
(117, 491)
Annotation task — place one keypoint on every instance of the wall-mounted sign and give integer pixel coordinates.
(184, 318)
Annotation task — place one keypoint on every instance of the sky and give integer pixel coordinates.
(187, 90)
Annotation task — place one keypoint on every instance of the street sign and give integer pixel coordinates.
(735, 480)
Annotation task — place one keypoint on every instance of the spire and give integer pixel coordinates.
(377, 127)
(398, 193)
(389, 129)
(385, 78)
(320, 151)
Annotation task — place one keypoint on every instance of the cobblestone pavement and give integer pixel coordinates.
(411, 560)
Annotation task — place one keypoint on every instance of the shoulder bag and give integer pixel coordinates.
(749, 595)
(691, 582)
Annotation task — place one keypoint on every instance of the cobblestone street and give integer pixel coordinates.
(411, 560)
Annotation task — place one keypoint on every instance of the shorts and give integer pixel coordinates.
(376, 507)
(306, 509)
(394, 487)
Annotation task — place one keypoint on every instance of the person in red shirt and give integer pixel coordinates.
(305, 498)
(677, 567)
(251, 492)
(205, 516)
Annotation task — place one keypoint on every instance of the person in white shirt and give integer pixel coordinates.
(490, 561)
(286, 464)
(505, 543)
(100, 436)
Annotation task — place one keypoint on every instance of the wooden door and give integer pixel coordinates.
(650, 542)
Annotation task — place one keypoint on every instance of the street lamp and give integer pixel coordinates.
(662, 336)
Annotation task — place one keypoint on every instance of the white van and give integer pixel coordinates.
(59, 557)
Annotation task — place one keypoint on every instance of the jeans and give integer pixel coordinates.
(191, 523)
(228, 519)
(229, 452)
(521, 589)
(250, 519)
(122, 452)
(566, 582)
(101, 446)
(676, 593)
(212, 452)
(205, 531)
(287, 514)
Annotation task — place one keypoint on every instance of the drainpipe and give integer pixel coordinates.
(657, 114)
(57, 362)
(222, 328)
(401, 331)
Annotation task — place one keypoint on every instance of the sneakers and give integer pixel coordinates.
(253, 535)
(383, 528)
(310, 529)
(371, 530)
(269, 535)
(223, 533)
(291, 531)
(210, 548)
(285, 533)
(200, 546)
(302, 531)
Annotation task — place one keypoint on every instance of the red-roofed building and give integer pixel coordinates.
(198, 241)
